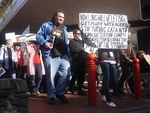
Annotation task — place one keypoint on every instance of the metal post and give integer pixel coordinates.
(137, 79)
(91, 70)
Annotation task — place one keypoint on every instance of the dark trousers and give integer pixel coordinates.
(43, 84)
(35, 80)
(78, 73)
(126, 71)
(24, 71)
(19, 73)
(8, 73)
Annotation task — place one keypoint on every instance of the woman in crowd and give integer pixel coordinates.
(35, 67)
(19, 66)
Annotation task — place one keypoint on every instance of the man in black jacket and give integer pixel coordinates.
(78, 64)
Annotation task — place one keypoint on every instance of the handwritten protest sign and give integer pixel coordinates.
(147, 58)
(90, 49)
(105, 30)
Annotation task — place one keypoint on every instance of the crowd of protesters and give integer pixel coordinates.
(55, 57)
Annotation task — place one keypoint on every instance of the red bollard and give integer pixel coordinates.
(91, 71)
(137, 79)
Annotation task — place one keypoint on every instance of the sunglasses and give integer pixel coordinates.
(78, 33)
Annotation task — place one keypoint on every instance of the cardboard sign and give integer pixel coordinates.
(10, 36)
(107, 31)
(147, 58)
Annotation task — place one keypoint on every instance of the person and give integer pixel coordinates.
(35, 67)
(108, 62)
(144, 66)
(126, 59)
(8, 59)
(98, 73)
(19, 68)
(53, 38)
(78, 64)
(25, 63)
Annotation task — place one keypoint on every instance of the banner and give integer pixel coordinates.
(107, 31)
(27, 30)
(26, 37)
(10, 36)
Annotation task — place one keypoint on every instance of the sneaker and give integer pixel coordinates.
(33, 94)
(51, 101)
(102, 96)
(62, 98)
(111, 104)
(37, 92)
(99, 85)
(71, 90)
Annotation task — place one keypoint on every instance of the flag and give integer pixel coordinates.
(26, 37)
(27, 30)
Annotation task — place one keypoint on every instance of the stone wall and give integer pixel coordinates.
(13, 97)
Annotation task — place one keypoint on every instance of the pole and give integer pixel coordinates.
(137, 79)
(91, 71)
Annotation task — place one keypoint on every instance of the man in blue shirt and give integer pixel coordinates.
(53, 39)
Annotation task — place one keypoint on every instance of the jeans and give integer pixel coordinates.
(109, 78)
(53, 66)
(98, 78)
(35, 80)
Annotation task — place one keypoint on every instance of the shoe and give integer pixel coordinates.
(71, 90)
(81, 92)
(102, 96)
(111, 104)
(33, 94)
(51, 101)
(37, 92)
(99, 85)
(62, 98)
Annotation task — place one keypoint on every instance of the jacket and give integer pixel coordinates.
(30, 66)
(76, 49)
(19, 58)
(107, 54)
(4, 60)
(127, 54)
(42, 34)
